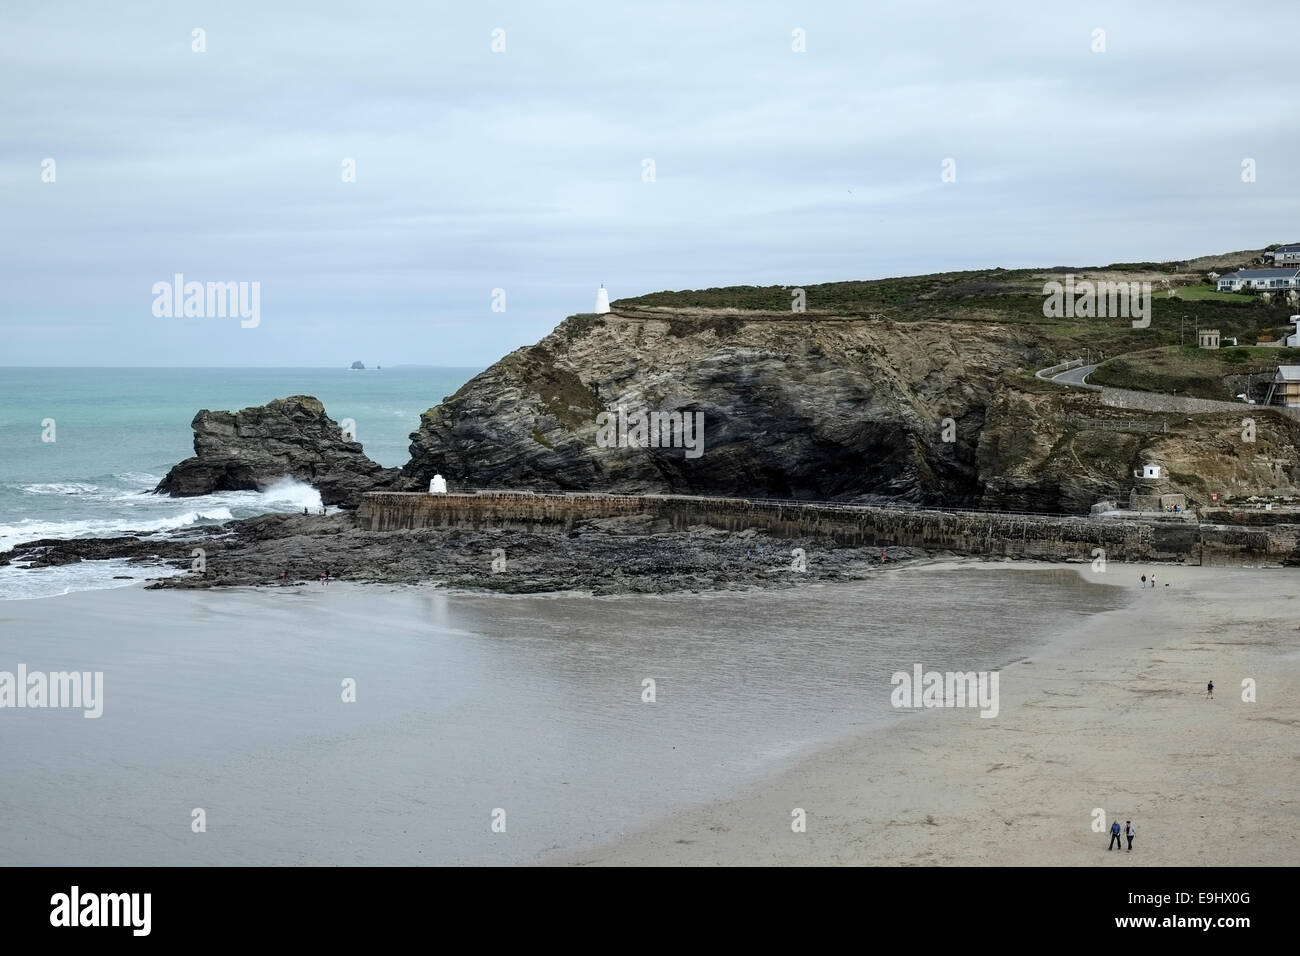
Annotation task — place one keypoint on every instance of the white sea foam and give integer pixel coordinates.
(29, 529)
(21, 584)
(136, 513)
(61, 488)
(289, 492)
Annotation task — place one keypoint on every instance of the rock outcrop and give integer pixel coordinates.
(859, 408)
(251, 449)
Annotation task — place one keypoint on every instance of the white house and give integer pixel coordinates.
(1284, 255)
(1260, 280)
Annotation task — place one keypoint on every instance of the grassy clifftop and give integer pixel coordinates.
(1182, 299)
(1187, 370)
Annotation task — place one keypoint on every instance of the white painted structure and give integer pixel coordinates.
(602, 300)
(1260, 280)
(438, 486)
(1148, 473)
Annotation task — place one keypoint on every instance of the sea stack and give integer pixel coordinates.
(253, 448)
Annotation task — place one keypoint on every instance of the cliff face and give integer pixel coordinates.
(851, 408)
(250, 449)
(1045, 449)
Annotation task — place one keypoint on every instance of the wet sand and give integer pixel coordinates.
(1113, 716)
(233, 701)
(768, 701)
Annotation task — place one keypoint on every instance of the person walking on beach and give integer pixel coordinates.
(1128, 832)
(1114, 836)
(1144, 582)
(1209, 690)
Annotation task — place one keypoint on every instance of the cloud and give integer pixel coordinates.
(522, 170)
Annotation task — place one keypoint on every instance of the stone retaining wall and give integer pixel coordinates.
(1042, 537)
(1160, 402)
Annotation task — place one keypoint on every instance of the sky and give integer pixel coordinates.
(647, 146)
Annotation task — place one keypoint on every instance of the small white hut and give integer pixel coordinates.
(602, 300)
(438, 486)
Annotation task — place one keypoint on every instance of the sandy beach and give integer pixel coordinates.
(1114, 715)
(229, 700)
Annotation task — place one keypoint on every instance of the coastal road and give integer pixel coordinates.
(1076, 376)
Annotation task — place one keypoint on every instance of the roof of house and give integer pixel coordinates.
(1295, 248)
(1288, 373)
(1261, 274)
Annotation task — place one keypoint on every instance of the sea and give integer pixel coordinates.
(81, 450)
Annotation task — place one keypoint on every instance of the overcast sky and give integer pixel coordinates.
(523, 170)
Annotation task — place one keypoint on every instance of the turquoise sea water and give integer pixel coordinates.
(117, 431)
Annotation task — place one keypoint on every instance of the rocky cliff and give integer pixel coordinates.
(850, 408)
(250, 449)
(1044, 448)
(831, 406)
(917, 389)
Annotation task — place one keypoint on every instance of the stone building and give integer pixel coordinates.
(1151, 492)
(1207, 338)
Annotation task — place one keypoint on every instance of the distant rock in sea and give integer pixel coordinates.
(251, 449)
(357, 365)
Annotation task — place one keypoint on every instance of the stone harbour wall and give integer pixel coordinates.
(1036, 537)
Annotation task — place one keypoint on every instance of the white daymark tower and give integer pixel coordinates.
(602, 300)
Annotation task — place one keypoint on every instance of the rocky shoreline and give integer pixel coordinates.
(294, 438)
(631, 555)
